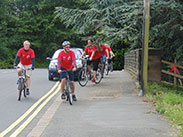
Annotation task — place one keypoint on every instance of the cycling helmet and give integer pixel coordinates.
(65, 43)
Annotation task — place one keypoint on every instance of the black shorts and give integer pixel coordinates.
(64, 75)
(95, 63)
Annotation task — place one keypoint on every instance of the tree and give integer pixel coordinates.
(34, 21)
(166, 30)
(121, 20)
(108, 20)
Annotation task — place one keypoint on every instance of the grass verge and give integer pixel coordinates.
(168, 101)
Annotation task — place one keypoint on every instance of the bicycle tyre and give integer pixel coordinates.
(107, 69)
(98, 76)
(111, 68)
(20, 88)
(69, 93)
(82, 77)
(70, 98)
(102, 69)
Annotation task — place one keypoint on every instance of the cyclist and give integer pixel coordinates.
(94, 57)
(26, 56)
(103, 52)
(111, 54)
(67, 61)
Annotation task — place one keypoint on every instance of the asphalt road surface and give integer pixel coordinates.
(108, 109)
(10, 108)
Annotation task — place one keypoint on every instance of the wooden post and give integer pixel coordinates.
(145, 45)
(175, 78)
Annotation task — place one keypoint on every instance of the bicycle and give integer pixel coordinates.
(101, 66)
(22, 86)
(109, 66)
(84, 75)
(68, 87)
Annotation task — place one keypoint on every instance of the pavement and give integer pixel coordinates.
(111, 108)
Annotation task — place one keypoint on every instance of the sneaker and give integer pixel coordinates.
(27, 92)
(93, 80)
(74, 97)
(63, 96)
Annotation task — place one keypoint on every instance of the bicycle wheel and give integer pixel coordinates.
(98, 76)
(111, 67)
(20, 88)
(24, 89)
(69, 92)
(82, 77)
(102, 70)
(107, 69)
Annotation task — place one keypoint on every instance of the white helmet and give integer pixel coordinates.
(65, 43)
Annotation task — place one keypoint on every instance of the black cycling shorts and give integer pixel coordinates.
(95, 63)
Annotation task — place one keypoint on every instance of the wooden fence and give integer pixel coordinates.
(132, 64)
(175, 76)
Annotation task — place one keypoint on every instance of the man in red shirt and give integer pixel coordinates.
(94, 57)
(111, 54)
(26, 56)
(67, 61)
(104, 53)
(177, 72)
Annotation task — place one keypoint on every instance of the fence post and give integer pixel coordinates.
(175, 69)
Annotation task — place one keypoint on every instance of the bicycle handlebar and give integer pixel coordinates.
(24, 68)
(85, 58)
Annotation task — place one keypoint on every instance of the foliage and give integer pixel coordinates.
(104, 20)
(117, 22)
(166, 28)
(168, 101)
(34, 21)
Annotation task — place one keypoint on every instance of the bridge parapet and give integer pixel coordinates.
(133, 64)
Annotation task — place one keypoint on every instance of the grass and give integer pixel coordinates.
(168, 101)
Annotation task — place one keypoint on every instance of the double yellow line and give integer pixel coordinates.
(17, 131)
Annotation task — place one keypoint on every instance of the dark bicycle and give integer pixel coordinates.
(101, 67)
(108, 66)
(68, 87)
(84, 75)
(22, 86)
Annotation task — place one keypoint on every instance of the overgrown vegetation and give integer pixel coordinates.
(168, 101)
(118, 22)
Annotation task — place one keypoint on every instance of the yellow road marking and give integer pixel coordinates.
(7, 130)
(45, 119)
(34, 114)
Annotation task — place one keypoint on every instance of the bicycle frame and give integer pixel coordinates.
(68, 87)
(84, 76)
(22, 84)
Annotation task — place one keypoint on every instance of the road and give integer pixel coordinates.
(109, 109)
(11, 108)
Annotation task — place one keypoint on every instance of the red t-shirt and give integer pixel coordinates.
(102, 50)
(26, 57)
(109, 50)
(89, 50)
(66, 60)
(172, 69)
